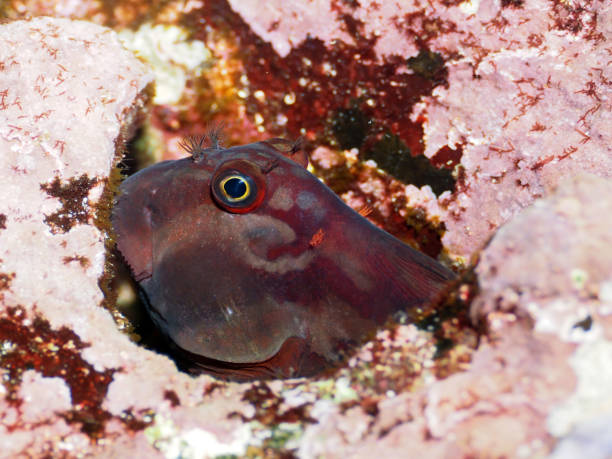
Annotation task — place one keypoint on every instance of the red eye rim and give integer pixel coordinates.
(254, 179)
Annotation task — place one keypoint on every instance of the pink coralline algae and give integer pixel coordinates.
(526, 99)
(69, 95)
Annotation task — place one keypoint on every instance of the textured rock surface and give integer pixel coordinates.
(551, 267)
(68, 95)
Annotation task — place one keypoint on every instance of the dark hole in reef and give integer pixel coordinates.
(132, 307)
(136, 155)
(512, 3)
(129, 305)
(350, 127)
(443, 345)
(585, 323)
(393, 156)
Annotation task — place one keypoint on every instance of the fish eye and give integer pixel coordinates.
(238, 186)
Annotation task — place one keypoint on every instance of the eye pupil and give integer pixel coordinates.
(238, 186)
(235, 187)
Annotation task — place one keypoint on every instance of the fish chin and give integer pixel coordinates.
(242, 338)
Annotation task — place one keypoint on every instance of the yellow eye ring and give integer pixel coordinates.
(235, 188)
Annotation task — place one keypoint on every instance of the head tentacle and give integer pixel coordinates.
(198, 145)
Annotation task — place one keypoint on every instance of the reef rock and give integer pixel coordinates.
(69, 98)
(549, 273)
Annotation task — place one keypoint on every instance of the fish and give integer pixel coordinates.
(252, 268)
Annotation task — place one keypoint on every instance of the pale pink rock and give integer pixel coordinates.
(557, 260)
(69, 89)
(57, 8)
(287, 24)
(42, 396)
(553, 265)
(69, 94)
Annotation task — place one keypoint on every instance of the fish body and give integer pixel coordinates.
(252, 268)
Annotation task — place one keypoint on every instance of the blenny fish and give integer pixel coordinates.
(252, 268)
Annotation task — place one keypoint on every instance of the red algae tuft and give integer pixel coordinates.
(81, 260)
(340, 95)
(5, 280)
(74, 199)
(33, 344)
(172, 397)
(448, 157)
(268, 406)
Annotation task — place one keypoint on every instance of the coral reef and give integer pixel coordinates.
(500, 106)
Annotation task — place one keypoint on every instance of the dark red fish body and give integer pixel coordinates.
(253, 268)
